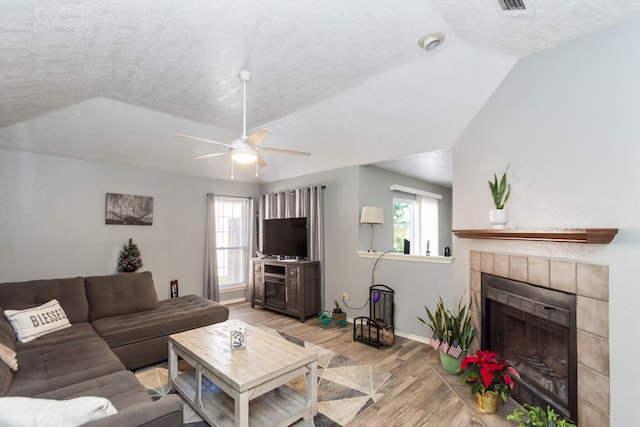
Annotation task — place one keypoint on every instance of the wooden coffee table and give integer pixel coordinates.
(242, 387)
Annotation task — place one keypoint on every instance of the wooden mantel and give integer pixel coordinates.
(570, 235)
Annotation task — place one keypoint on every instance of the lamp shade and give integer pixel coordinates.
(371, 215)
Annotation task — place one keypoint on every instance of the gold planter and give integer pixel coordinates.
(488, 402)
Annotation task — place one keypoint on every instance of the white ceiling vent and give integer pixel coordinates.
(516, 8)
(512, 5)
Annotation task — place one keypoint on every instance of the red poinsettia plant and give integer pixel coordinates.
(486, 371)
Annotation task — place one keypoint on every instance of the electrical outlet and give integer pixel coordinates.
(345, 296)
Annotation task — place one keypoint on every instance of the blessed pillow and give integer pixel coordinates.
(27, 411)
(35, 322)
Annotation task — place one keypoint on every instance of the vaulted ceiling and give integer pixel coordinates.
(115, 80)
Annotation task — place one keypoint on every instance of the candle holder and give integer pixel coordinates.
(238, 339)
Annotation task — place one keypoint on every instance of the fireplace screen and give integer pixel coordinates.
(534, 330)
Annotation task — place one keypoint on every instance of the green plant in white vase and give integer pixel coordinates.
(500, 191)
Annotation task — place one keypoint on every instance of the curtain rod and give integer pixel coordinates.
(323, 187)
(229, 195)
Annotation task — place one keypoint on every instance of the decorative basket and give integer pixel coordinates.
(368, 333)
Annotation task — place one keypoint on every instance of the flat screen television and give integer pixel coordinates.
(285, 237)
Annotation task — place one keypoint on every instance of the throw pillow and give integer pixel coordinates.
(35, 322)
(27, 411)
(8, 356)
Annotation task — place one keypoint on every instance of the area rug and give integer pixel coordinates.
(346, 387)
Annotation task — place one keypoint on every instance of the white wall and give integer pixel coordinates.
(52, 220)
(567, 122)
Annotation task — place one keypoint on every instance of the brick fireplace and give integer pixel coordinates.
(590, 284)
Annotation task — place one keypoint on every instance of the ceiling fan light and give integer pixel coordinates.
(244, 155)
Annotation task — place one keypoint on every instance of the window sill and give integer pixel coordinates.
(404, 257)
(231, 288)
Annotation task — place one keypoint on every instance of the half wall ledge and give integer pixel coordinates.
(404, 257)
(569, 235)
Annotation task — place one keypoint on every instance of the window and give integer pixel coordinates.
(232, 240)
(416, 220)
(403, 212)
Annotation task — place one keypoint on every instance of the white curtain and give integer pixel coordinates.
(211, 284)
(251, 228)
(429, 227)
(300, 202)
(211, 288)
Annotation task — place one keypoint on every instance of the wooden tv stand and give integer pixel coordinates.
(289, 287)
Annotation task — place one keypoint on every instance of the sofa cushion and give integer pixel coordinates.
(172, 316)
(119, 294)
(70, 294)
(35, 322)
(8, 340)
(6, 379)
(7, 334)
(166, 412)
(61, 358)
(134, 405)
(27, 411)
(122, 388)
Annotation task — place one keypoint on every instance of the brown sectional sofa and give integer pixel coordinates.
(117, 324)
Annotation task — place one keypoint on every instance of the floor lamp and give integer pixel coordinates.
(371, 215)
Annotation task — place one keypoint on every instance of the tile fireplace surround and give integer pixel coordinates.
(590, 284)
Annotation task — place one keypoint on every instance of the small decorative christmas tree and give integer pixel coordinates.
(129, 260)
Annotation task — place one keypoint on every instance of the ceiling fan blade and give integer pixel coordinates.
(256, 138)
(261, 161)
(283, 151)
(197, 138)
(206, 156)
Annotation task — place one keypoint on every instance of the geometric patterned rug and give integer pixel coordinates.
(346, 387)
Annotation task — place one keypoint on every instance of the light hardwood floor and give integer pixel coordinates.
(427, 396)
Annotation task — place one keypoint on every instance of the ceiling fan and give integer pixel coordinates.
(246, 149)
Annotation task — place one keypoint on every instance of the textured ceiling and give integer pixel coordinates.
(344, 80)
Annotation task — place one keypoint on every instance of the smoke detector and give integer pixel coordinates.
(431, 41)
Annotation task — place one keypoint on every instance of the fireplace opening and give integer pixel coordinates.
(534, 329)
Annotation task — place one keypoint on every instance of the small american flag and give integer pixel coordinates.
(445, 347)
(434, 342)
(455, 350)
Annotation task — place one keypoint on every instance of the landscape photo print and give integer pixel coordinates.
(128, 209)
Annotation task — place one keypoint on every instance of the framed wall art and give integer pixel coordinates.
(127, 209)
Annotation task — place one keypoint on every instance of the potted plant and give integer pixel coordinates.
(535, 416)
(338, 315)
(452, 334)
(500, 191)
(490, 378)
